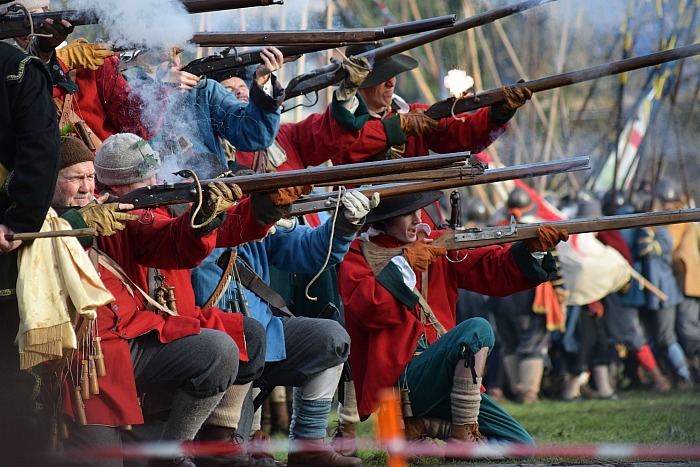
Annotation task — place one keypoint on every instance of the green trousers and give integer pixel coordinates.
(429, 379)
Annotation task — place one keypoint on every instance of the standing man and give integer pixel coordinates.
(28, 166)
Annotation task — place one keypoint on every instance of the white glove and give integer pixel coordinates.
(409, 277)
(357, 205)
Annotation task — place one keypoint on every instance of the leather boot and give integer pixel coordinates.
(280, 417)
(572, 386)
(230, 444)
(266, 416)
(602, 382)
(468, 433)
(316, 453)
(511, 365)
(414, 428)
(659, 382)
(530, 370)
(463, 439)
(343, 440)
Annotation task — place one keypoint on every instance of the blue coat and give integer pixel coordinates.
(652, 258)
(209, 112)
(301, 249)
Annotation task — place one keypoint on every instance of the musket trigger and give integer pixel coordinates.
(476, 233)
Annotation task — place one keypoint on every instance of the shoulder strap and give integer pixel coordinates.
(112, 266)
(229, 257)
(253, 282)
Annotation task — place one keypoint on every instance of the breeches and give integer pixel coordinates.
(429, 380)
(312, 345)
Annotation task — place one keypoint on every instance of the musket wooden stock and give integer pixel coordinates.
(88, 232)
(472, 238)
(323, 38)
(333, 73)
(327, 201)
(157, 195)
(446, 107)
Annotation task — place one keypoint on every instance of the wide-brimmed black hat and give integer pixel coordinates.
(396, 206)
(382, 70)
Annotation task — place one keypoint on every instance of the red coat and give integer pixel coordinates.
(170, 244)
(385, 332)
(315, 139)
(106, 102)
(475, 134)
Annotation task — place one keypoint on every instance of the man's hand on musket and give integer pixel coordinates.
(220, 197)
(7, 246)
(416, 123)
(272, 61)
(106, 218)
(57, 32)
(356, 206)
(514, 97)
(357, 70)
(547, 238)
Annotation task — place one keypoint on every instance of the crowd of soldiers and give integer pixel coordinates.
(168, 321)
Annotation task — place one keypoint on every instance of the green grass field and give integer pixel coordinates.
(637, 417)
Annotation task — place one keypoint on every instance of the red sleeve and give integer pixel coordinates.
(318, 137)
(489, 270)
(122, 106)
(240, 226)
(160, 241)
(475, 134)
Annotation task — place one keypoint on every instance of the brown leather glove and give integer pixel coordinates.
(59, 32)
(357, 70)
(421, 255)
(547, 238)
(515, 97)
(81, 54)
(416, 123)
(106, 219)
(220, 197)
(284, 196)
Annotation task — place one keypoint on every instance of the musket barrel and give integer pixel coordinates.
(334, 74)
(185, 192)
(320, 202)
(298, 37)
(16, 25)
(201, 6)
(465, 239)
(445, 107)
(314, 37)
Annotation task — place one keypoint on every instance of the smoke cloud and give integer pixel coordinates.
(141, 23)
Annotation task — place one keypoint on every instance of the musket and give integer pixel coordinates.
(316, 37)
(15, 25)
(333, 73)
(477, 237)
(201, 6)
(447, 107)
(186, 192)
(328, 201)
